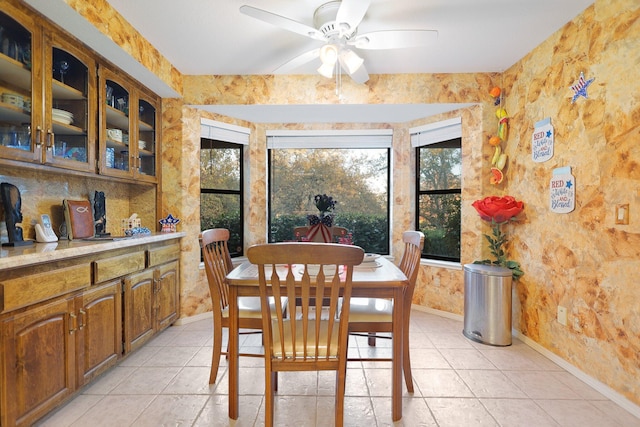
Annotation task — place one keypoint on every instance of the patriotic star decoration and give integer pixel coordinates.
(549, 134)
(169, 223)
(580, 87)
(169, 220)
(569, 184)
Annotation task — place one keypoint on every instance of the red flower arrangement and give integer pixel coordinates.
(499, 210)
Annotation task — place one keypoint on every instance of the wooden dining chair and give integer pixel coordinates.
(217, 264)
(316, 337)
(371, 315)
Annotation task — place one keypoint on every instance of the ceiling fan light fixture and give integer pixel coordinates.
(326, 70)
(329, 54)
(350, 61)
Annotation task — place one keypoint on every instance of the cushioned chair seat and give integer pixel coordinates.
(249, 307)
(311, 340)
(371, 310)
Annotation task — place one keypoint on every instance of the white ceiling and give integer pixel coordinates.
(211, 37)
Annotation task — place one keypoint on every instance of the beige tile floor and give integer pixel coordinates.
(457, 383)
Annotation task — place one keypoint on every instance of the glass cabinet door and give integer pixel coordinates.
(70, 110)
(17, 135)
(115, 125)
(146, 139)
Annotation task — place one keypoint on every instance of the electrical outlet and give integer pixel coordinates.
(562, 315)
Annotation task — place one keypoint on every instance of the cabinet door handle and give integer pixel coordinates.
(39, 136)
(82, 319)
(72, 323)
(50, 139)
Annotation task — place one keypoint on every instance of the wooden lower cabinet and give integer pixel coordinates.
(138, 309)
(167, 290)
(99, 337)
(150, 303)
(55, 348)
(38, 361)
(64, 323)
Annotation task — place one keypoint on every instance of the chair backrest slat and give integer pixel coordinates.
(217, 263)
(410, 262)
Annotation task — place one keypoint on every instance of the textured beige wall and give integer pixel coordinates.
(43, 192)
(110, 23)
(582, 260)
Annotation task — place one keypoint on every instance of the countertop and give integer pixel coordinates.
(38, 253)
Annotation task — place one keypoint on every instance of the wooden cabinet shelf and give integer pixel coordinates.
(117, 145)
(13, 113)
(15, 72)
(63, 92)
(116, 118)
(64, 129)
(145, 126)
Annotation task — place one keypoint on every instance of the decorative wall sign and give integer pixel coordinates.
(562, 190)
(580, 87)
(542, 141)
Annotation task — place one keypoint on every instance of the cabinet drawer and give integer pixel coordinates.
(117, 266)
(164, 254)
(26, 290)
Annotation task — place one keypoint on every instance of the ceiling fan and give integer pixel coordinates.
(336, 24)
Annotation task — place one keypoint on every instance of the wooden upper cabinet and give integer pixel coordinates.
(128, 128)
(47, 100)
(70, 106)
(21, 119)
(148, 136)
(60, 108)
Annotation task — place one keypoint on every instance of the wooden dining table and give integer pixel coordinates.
(379, 278)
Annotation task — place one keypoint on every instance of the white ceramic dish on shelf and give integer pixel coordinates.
(115, 134)
(62, 116)
(13, 99)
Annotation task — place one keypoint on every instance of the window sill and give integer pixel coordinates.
(441, 264)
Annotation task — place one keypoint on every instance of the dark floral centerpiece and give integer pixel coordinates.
(325, 205)
(499, 211)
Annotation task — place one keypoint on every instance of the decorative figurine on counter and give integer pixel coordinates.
(169, 224)
(13, 214)
(100, 214)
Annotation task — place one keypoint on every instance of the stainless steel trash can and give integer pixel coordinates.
(487, 304)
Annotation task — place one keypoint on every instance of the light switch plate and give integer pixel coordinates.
(562, 315)
(622, 214)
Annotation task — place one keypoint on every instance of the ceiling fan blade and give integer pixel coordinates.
(298, 61)
(394, 39)
(282, 22)
(360, 75)
(351, 13)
